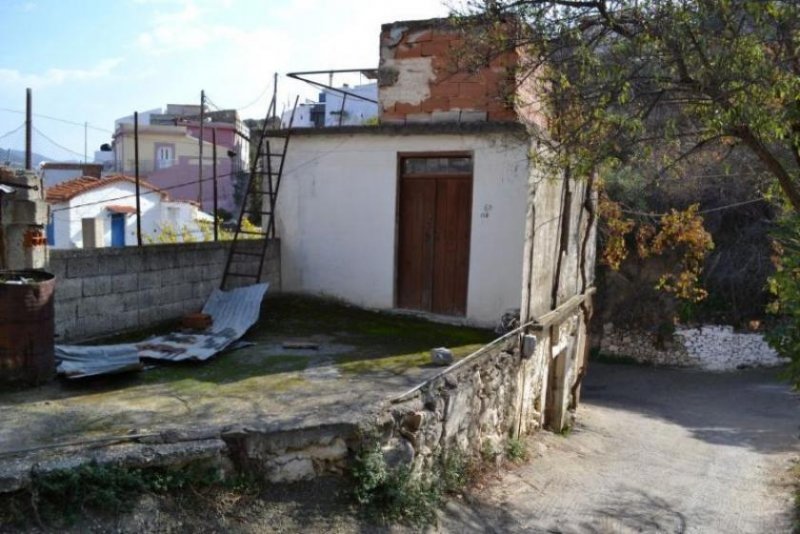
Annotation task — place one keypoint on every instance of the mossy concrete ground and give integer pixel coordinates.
(363, 358)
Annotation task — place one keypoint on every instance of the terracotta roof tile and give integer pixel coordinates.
(69, 189)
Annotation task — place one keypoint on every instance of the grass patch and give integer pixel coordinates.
(228, 368)
(358, 363)
(298, 316)
(384, 342)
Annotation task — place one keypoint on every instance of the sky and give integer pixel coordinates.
(94, 61)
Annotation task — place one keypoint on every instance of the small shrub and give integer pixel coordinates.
(456, 471)
(369, 472)
(396, 495)
(393, 495)
(488, 452)
(516, 450)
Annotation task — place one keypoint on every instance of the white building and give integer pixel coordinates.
(328, 110)
(424, 217)
(55, 172)
(112, 200)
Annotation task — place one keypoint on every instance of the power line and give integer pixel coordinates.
(256, 99)
(248, 105)
(57, 119)
(709, 210)
(211, 103)
(62, 147)
(15, 130)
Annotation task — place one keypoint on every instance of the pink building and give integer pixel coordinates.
(169, 154)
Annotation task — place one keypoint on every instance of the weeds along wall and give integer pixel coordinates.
(105, 291)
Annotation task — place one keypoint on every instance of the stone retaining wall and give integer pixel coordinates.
(498, 395)
(105, 291)
(645, 347)
(471, 410)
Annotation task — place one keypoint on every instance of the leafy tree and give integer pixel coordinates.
(624, 81)
(706, 72)
(785, 287)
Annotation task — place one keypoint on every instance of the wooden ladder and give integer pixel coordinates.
(263, 186)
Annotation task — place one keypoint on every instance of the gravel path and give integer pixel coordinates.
(655, 450)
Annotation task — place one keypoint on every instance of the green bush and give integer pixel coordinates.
(393, 495)
(60, 497)
(457, 471)
(517, 450)
(784, 286)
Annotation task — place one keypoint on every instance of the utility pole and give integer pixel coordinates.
(28, 129)
(274, 96)
(214, 213)
(200, 164)
(85, 142)
(136, 174)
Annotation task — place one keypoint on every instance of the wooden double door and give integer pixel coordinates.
(435, 204)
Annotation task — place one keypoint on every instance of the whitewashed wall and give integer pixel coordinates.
(337, 215)
(67, 217)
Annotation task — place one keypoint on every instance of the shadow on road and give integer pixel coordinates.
(750, 408)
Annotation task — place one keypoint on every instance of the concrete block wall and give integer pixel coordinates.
(105, 291)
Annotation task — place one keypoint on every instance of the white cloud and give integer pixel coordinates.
(57, 76)
(184, 29)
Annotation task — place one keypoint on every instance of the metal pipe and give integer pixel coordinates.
(299, 76)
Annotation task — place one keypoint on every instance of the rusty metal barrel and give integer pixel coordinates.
(27, 322)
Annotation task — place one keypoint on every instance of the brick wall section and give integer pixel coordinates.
(408, 52)
(110, 290)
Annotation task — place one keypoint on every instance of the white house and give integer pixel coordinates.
(113, 200)
(430, 218)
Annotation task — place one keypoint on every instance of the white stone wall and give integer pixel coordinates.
(710, 347)
(719, 348)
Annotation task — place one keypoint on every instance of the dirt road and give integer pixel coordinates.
(655, 450)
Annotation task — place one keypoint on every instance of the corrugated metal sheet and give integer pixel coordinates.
(233, 313)
(76, 361)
